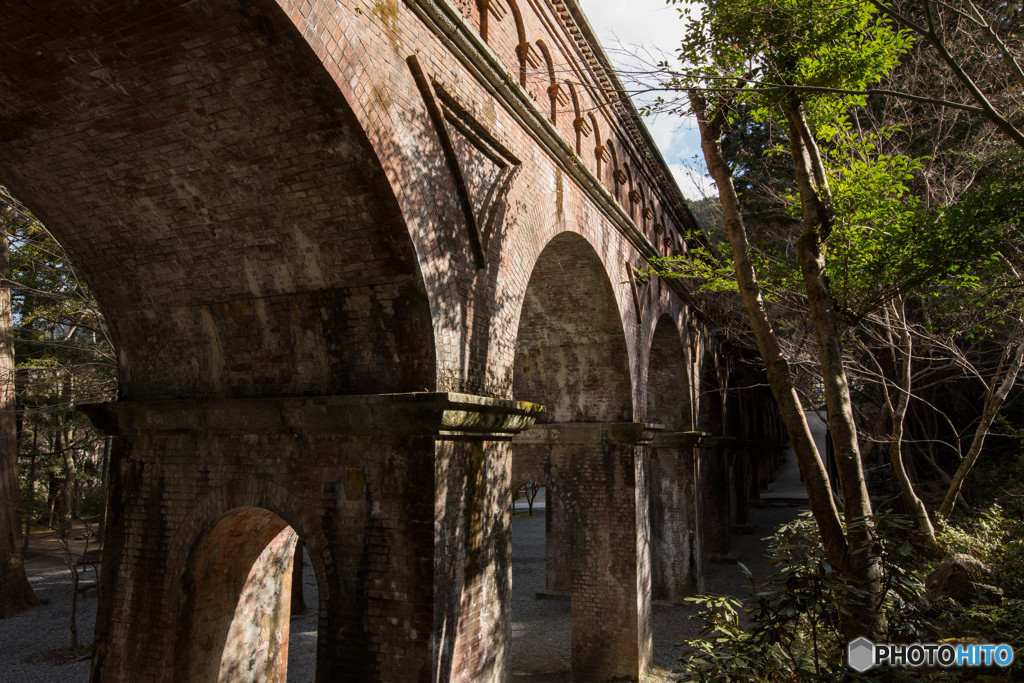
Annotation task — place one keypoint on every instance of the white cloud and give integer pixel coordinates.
(694, 184)
(634, 22)
(627, 26)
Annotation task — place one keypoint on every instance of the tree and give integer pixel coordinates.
(59, 356)
(839, 46)
(16, 594)
(807, 72)
(978, 47)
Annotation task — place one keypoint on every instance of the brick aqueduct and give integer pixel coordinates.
(347, 250)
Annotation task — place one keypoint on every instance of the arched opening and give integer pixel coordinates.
(675, 531)
(615, 175)
(715, 458)
(571, 356)
(668, 383)
(581, 125)
(571, 349)
(599, 149)
(235, 603)
(240, 234)
(552, 90)
(632, 196)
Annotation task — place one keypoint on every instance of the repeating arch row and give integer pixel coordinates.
(538, 56)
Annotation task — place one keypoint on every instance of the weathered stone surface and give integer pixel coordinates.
(340, 245)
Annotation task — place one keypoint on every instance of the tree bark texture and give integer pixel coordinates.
(812, 468)
(866, 619)
(16, 594)
(898, 410)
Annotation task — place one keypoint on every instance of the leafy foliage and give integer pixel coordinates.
(788, 629)
(828, 44)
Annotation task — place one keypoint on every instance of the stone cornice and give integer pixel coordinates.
(446, 415)
(602, 66)
(588, 433)
(451, 29)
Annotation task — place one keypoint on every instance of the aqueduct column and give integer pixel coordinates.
(600, 472)
(401, 500)
(677, 565)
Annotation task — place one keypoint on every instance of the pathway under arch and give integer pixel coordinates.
(571, 356)
(676, 554)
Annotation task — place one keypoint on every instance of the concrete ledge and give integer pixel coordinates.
(580, 433)
(679, 439)
(444, 414)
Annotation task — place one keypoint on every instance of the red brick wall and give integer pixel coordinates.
(268, 202)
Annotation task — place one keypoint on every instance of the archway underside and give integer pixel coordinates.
(675, 539)
(204, 171)
(571, 355)
(571, 350)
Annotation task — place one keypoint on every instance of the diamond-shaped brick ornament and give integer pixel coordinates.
(861, 654)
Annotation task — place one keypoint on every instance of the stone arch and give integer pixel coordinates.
(579, 124)
(571, 352)
(218, 502)
(600, 151)
(615, 175)
(483, 8)
(241, 234)
(646, 212)
(552, 90)
(632, 195)
(231, 627)
(668, 382)
(510, 47)
(522, 46)
(572, 356)
(675, 540)
(238, 522)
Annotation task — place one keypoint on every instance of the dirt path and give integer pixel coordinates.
(46, 552)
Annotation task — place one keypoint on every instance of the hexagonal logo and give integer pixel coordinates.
(861, 654)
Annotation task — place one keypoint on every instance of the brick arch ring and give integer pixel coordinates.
(222, 500)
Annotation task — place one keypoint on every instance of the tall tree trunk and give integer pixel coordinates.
(819, 492)
(15, 592)
(815, 202)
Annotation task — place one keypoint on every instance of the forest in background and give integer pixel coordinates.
(64, 358)
(57, 357)
(866, 245)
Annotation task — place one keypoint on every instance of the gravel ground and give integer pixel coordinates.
(32, 644)
(35, 645)
(540, 628)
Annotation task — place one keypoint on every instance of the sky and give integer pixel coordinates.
(622, 24)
